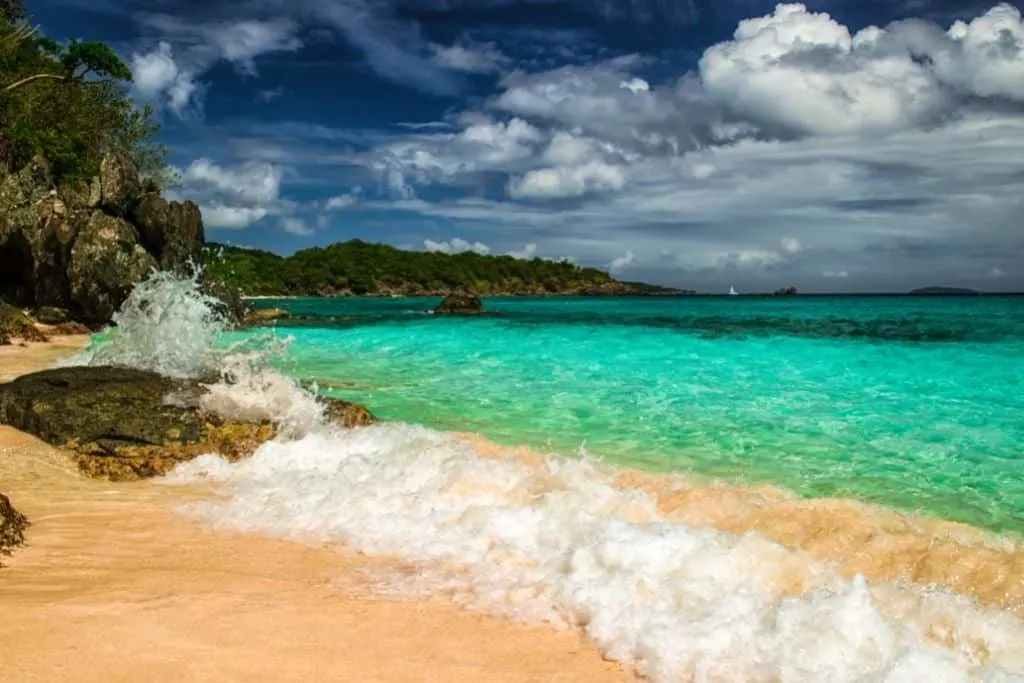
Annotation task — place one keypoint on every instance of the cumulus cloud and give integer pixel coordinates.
(457, 245)
(158, 78)
(342, 201)
(568, 181)
(623, 262)
(231, 197)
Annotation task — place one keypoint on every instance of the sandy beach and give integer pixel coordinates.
(114, 586)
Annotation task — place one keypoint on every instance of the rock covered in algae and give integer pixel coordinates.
(12, 525)
(460, 304)
(124, 424)
(15, 323)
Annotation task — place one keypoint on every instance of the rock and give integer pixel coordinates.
(124, 424)
(12, 526)
(51, 315)
(15, 324)
(460, 304)
(119, 184)
(75, 247)
(171, 231)
(263, 316)
(347, 414)
(106, 262)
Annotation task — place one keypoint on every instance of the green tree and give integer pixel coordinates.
(68, 103)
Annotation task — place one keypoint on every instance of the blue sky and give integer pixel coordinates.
(835, 146)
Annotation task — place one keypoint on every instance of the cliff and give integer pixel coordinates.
(83, 248)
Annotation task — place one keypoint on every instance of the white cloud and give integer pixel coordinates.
(157, 79)
(251, 181)
(840, 274)
(231, 197)
(570, 181)
(342, 201)
(987, 54)
(295, 226)
(623, 262)
(170, 73)
(457, 246)
(478, 58)
(997, 273)
(240, 42)
(218, 216)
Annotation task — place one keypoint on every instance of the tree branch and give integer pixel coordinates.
(29, 79)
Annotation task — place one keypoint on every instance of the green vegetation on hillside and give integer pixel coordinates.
(356, 267)
(68, 103)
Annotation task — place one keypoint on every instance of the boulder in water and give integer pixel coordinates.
(347, 414)
(460, 304)
(12, 526)
(124, 424)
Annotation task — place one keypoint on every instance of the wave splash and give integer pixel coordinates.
(555, 541)
(561, 543)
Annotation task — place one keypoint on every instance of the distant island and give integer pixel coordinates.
(358, 268)
(944, 291)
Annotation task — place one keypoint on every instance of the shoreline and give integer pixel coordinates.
(113, 585)
(882, 543)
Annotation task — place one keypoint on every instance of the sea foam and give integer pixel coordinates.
(557, 541)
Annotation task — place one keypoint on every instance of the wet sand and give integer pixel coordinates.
(114, 586)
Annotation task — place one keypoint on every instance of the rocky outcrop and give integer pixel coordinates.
(124, 424)
(12, 526)
(83, 248)
(460, 304)
(15, 324)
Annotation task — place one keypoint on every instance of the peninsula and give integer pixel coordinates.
(358, 268)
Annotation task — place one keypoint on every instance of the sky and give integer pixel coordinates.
(835, 146)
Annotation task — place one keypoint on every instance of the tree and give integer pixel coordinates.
(68, 103)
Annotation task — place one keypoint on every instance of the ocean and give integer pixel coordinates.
(709, 490)
(910, 402)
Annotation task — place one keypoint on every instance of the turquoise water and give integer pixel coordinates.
(915, 403)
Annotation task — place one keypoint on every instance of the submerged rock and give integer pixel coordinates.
(12, 525)
(263, 316)
(460, 304)
(124, 424)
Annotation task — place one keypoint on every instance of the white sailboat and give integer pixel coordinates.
(733, 292)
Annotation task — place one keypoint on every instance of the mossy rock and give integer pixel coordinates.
(125, 424)
(15, 324)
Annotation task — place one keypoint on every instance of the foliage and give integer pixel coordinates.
(67, 103)
(358, 267)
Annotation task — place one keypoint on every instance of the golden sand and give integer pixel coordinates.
(114, 586)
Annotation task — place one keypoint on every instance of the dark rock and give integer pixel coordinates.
(15, 324)
(232, 305)
(119, 184)
(785, 291)
(106, 263)
(68, 329)
(171, 231)
(12, 526)
(75, 247)
(51, 315)
(125, 424)
(460, 304)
